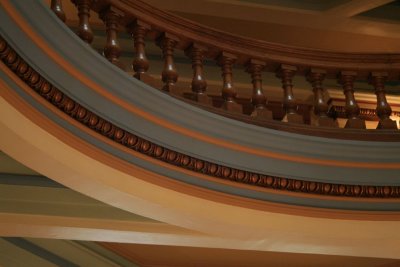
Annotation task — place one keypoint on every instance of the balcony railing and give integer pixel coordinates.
(170, 32)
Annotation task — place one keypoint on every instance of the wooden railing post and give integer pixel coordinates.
(140, 63)
(316, 77)
(286, 73)
(56, 7)
(199, 84)
(346, 79)
(84, 30)
(112, 50)
(228, 92)
(169, 75)
(258, 99)
(383, 109)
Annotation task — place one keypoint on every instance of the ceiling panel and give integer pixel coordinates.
(315, 5)
(164, 256)
(389, 12)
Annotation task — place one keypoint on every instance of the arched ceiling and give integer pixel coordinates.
(341, 25)
(54, 166)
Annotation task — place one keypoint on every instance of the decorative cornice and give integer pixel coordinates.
(64, 103)
(365, 113)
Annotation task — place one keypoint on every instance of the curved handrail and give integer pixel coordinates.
(198, 42)
(249, 48)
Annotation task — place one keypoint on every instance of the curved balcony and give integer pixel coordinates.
(321, 115)
(164, 150)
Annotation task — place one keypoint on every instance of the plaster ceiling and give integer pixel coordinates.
(165, 256)
(46, 200)
(177, 256)
(32, 252)
(304, 4)
(389, 12)
(338, 25)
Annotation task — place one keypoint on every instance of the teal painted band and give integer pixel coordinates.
(156, 103)
(179, 176)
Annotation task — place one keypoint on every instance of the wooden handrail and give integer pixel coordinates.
(173, 32)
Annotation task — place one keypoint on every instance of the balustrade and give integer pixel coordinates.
(84, 29)
(228, 92)
(289, 103)
(199, 84)
(167, 42)
(346, 78)
(140, 63)
(258, 99)
(112, 51)
(315, 77)
(383, 109)
(57, 8)
(171, 34)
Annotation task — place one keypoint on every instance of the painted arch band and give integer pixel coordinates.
(86, 117)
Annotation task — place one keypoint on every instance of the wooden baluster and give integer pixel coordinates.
(286, 73)
(56, 6)
(226, 60)
(383, 109)
(169, 75)
(84, 30)
(258, 99)
(140, 63)
(199, 84)
(112, 51)
(346, 79)
(316, 77)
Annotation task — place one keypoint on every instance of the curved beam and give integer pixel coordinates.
(251, 148)
(54, 158)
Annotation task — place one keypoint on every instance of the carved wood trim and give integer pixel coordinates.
(46, 90)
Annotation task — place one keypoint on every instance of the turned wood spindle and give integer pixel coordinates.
(199, 84)
(140, 63)
(346, 79)
(383, 109)
(286, 73)
(258, 99)
(56, 7)
(112, 50)
(84, 30)
(228, 91)
(226, 60)
(316, 77)
(169, 75)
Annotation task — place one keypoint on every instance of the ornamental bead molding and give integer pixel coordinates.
(64, 103)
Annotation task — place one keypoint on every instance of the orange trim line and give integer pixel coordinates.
(25, 27)
(43, 122)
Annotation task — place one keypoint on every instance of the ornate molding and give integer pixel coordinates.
(365, 113)
(64, 103)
